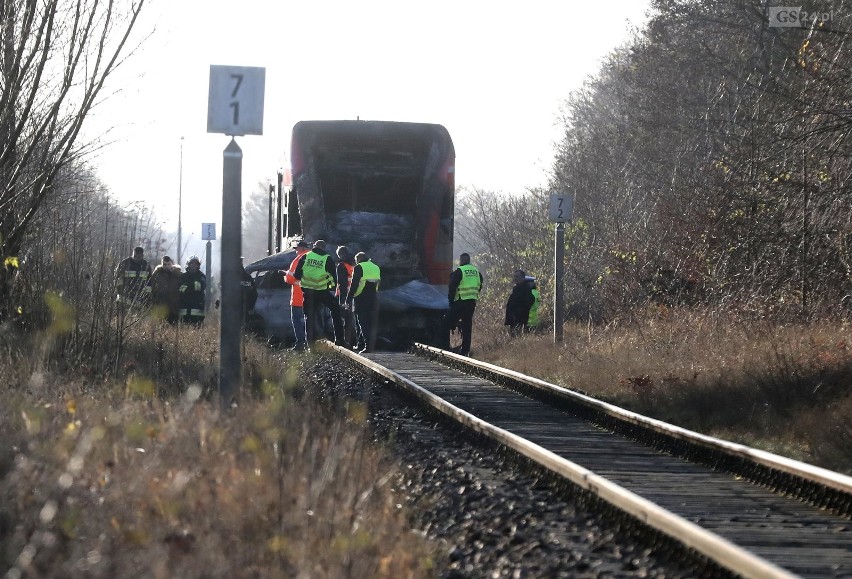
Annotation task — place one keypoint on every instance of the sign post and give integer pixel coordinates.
(208, 232)
(234, 107)
(561, 210)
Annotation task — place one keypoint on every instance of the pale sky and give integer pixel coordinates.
(493, 73)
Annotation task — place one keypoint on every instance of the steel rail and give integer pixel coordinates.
(825, 477)
(723, 552)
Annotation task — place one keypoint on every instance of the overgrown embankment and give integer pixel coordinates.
(117, 470)
(786, 388)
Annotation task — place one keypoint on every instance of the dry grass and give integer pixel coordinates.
(136, 475)
(783, 388)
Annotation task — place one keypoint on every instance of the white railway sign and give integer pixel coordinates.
(561, 207)
(235, 100)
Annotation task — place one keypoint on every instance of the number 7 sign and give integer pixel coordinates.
(235, 100)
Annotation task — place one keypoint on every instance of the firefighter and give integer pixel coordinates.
(465, 285)
(345, 267)
(362, 300)
(297, 299)
(316, 272)
(131, 279)
(192, 286)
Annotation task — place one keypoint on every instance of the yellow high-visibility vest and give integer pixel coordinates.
(470, 283)
(369, 272)
(314, 274)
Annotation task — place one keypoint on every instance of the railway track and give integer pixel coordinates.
(750, 512)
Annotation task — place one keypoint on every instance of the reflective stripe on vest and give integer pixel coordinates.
(369, 272)
(533, 317)
(470, 283)
(314, 274)
(193, 312)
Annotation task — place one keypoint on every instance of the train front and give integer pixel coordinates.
(387, 189)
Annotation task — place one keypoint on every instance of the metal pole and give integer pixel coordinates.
(209, 289)
(280, 228)
(558, 295)
(180, 202)
(231, 317)
(271, 214)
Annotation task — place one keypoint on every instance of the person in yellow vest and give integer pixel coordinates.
(316, 273)
(532, 321)
(464, 288)
(362, 299)
(345, 267)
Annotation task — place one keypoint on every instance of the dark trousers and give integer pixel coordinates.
(314, 301)
(366, 308)
(350, 330)
(460, 316)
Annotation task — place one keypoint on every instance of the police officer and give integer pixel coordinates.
(362, 299)
(248, 290)
(316, 273)
(464, 288)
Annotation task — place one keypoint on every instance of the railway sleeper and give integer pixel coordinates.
(835, 501)
(628, 527)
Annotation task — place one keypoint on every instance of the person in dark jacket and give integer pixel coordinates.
(345, 268)
(363, 301)
(165, 294)
(316, 273)
(131, 279)
(192, 286)
(518, 305)
(248, 290)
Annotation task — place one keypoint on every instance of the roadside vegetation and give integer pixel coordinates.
(708, 278)
(136, 472)
(784, 388)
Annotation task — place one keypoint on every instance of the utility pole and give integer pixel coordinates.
(271, 216)
(279, 213)
(180, 202)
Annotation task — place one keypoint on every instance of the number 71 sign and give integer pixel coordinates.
(235, 101)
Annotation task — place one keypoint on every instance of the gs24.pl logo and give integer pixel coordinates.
(796, 17)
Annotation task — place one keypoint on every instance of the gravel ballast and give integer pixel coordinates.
(487, 512)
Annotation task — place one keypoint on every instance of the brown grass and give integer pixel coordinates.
(786, 388)
(136, 475)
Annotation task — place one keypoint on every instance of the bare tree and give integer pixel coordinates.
(55, 58)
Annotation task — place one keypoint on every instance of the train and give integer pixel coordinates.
(386, 188)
